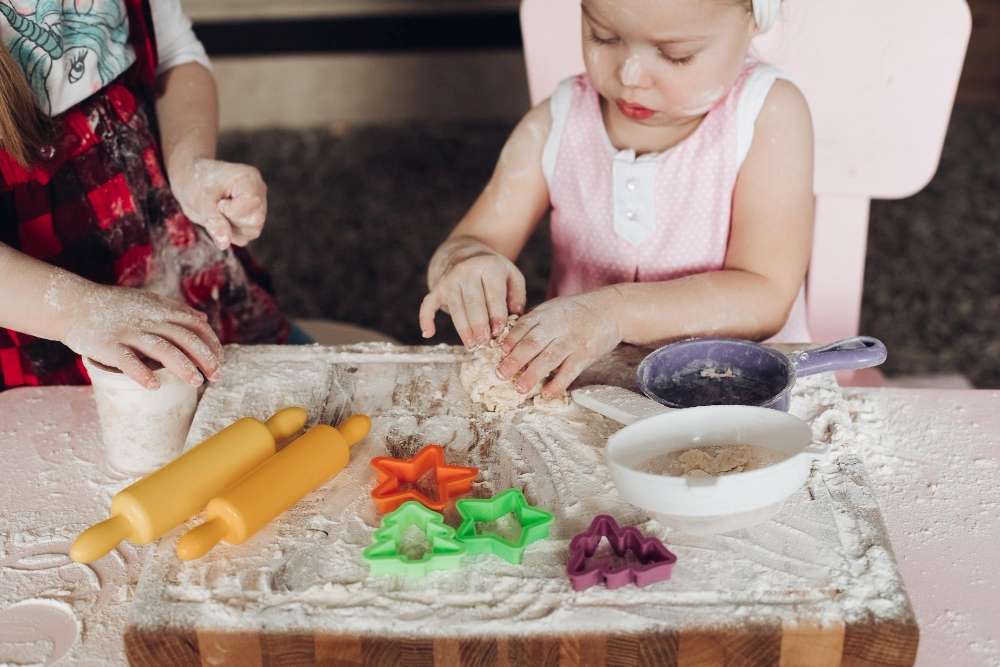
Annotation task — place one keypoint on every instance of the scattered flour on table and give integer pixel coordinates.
(56, 483)
(919, 465)
(824, 558)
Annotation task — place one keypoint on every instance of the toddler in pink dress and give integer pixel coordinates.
(678, 174)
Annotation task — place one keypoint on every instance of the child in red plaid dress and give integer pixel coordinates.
(120, 234)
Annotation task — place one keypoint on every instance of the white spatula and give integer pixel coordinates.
(617, 403)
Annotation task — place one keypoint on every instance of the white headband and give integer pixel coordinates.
(765, 13)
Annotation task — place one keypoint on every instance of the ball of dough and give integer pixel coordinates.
(480, 379)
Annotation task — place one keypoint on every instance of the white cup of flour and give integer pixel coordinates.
(143, 429)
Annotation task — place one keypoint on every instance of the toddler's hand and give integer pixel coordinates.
(115, 325)
(566, 333)
(480, 288)
(229, 200)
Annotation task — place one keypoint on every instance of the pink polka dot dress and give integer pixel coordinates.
(619, 218)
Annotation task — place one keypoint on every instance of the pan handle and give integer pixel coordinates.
(847, 354)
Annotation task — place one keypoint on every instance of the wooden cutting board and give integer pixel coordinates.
(816, 585)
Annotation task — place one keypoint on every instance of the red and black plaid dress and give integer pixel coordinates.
(98, 204)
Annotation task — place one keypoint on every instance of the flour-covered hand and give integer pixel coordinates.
(228, 199)
(477, 286)
(119, 326)
(561, 338)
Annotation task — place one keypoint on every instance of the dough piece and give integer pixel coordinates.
(716, 461)
(711, 461)
(480, 379)
(733, 459)
(695, 459)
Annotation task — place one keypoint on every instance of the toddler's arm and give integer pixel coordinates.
(769, 247)
(472, 274)
(112, 325)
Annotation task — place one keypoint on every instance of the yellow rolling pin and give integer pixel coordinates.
(274, 486)
(166, 498)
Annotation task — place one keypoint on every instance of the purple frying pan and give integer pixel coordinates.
(729, 371)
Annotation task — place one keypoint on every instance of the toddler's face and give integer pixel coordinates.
(662, 62)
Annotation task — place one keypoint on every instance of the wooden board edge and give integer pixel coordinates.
(220, 648)
(158, 648)
(887, 643)
(812, 644)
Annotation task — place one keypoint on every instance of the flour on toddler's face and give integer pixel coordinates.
(660, 66)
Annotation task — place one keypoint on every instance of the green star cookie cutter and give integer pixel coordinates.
(534, 524)
(385, 556)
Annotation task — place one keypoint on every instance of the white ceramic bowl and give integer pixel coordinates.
(712, 504)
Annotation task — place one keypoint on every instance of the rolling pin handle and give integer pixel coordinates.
(355, 428)
(199, 541)
(100, 538)
(286, 423)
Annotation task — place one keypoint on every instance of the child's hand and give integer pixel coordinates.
(480, 288)
(567, 333)
(118, 325)
(229, 200)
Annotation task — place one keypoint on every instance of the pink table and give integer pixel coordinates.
(935, 463)
(55, 484)
(933, 456)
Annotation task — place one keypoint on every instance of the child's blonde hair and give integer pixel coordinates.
(21, 124)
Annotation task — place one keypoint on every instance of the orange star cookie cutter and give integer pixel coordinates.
(450, 481)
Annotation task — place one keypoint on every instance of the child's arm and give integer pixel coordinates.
(769, 246)
(112, 325)
(472, 274)
(229, 200)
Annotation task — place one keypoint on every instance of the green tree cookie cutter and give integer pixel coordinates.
(533, 520)
(384, 555)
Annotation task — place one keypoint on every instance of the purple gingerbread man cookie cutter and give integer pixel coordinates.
(651, 560)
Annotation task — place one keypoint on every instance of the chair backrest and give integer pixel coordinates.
(880, 77)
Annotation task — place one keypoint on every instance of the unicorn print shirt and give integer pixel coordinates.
(70, 49)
